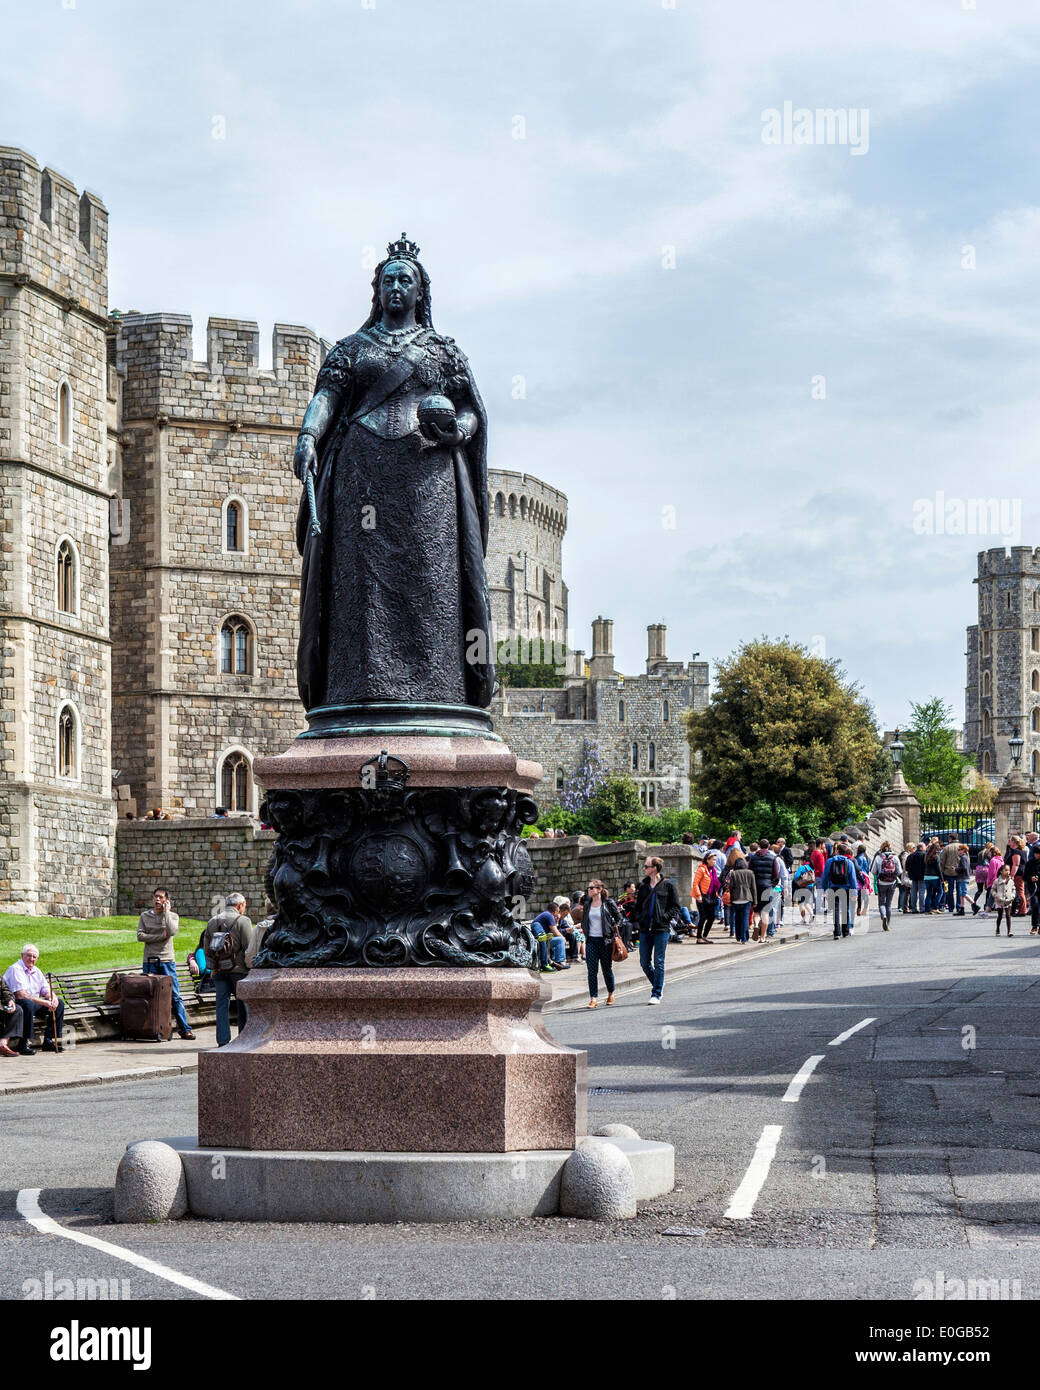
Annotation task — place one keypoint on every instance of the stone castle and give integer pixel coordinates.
(1002, 694)
(148, 573)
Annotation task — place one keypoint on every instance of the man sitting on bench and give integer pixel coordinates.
(34, 995)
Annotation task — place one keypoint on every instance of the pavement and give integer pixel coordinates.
(94, 1063)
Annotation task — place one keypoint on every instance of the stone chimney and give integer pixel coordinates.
(655, 646)
(601, 667)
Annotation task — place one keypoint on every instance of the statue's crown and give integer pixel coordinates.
(402, 247)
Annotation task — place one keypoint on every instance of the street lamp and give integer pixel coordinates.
(896, 749)
(1015, 745)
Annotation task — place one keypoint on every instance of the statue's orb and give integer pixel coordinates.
(389, 873)
(435, 410)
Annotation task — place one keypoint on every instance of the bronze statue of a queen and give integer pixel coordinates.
(395, 622)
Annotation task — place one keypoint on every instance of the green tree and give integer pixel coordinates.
(931, 763)
(614, 809)
(786, 739)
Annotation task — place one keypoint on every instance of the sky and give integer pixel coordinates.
(769, 373)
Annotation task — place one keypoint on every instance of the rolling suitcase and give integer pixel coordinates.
(146, 1008)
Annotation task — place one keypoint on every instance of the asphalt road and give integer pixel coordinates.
(910, 1157)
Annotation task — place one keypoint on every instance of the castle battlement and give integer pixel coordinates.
(163, 377)
(50, 234)
(526, 498)
(1016, 559)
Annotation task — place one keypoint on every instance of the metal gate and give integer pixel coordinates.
(970, 824)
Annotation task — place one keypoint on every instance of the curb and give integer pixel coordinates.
(19, 1088)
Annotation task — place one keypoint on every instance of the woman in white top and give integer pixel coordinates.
(600, 918)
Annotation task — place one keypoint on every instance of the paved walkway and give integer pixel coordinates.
(98, 1063)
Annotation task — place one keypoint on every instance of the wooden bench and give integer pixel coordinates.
(83, 993)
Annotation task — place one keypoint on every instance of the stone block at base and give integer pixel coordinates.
(231, 1185)
(431, 1059)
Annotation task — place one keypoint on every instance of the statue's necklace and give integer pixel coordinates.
(397, 336)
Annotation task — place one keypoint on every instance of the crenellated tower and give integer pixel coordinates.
(205, 587)
(1003, 662)
(56, 815)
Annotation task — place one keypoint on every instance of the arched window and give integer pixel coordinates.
(538, 622)
(500, 504)
(1035, 680)
(986, 725)
(1034, 721)
(523, 508)
(651, 796)
(987, 683)
(651, 761)
(236, 782)
(642, 793)
(665, 711)
(65, 415)
(559, 779)
(236, 647)
(987, 765)
(512, 504)
(635, 757)
(66, 577)
(1036, 763)
(235, 530)
(621, 711)
(68, 743)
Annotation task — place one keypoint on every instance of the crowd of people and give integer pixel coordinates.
(741, 892)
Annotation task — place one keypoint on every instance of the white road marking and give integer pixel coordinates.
(795, 1089)
(28, 1205)
(842, 1037)
(742, 1203)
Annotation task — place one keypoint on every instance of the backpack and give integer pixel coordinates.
(839, 872)
(888, 869)
(980, 875)
(801, 873)
(222, 946)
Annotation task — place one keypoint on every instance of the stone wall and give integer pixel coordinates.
(567, 865)
(199, 861)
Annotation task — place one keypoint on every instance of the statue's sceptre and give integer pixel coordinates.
(312, 503)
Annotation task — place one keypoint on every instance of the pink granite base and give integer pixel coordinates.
(410, 1060)
(432, 762)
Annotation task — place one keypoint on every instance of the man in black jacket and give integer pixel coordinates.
(656, 912)
(767, 875)
(914, 868)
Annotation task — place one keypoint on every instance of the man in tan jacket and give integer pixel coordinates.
(156, 927)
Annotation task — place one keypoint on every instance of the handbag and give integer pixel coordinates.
(618, 949)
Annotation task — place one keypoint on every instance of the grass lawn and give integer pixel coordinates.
(73, 943)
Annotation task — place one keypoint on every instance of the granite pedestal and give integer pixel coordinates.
(431, 1060)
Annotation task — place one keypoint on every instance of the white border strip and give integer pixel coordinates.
(28, 1205)
(844, 1037)
(742, 1203)
(794, 1091)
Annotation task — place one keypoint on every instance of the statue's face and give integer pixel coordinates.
(399, 287)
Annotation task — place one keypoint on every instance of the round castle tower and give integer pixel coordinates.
(525, 559)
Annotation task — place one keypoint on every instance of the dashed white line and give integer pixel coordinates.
(28, 1205)
(795, 1089)
(742, 1203)
(843, 1037)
